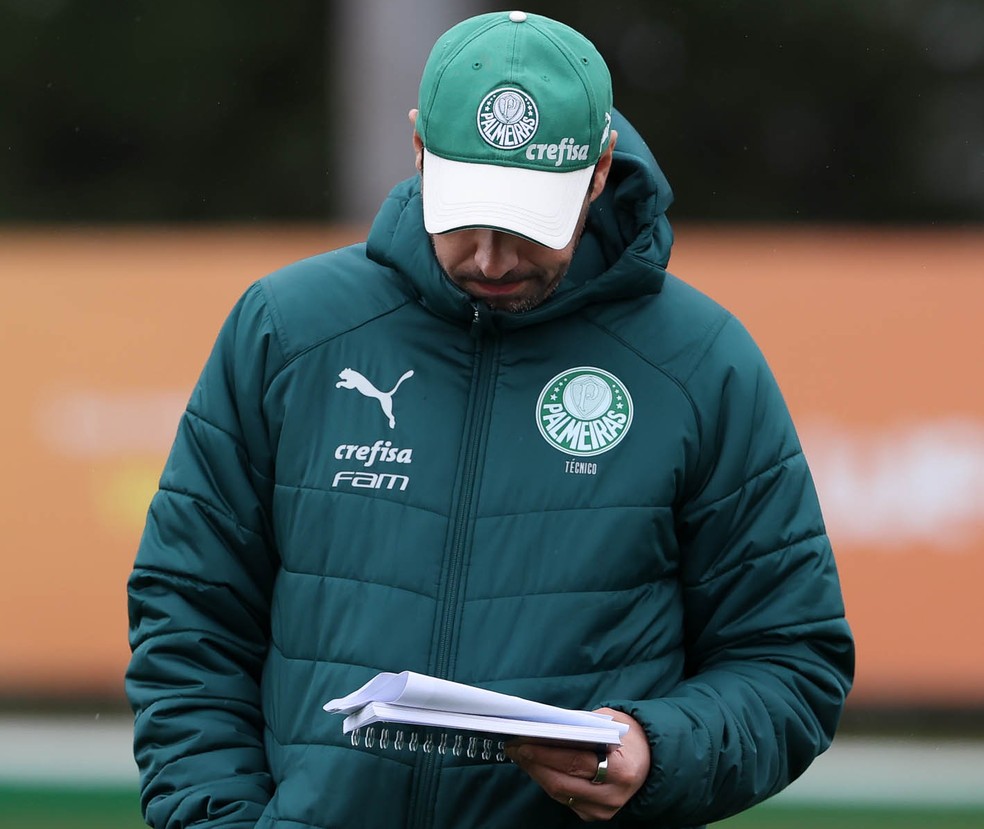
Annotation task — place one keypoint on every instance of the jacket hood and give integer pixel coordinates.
(622, 254)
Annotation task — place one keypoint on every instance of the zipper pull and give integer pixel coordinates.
(476, 323)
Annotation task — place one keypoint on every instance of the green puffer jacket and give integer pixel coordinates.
(599, 502)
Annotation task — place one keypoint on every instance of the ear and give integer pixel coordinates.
(418, 144)
(602, 168)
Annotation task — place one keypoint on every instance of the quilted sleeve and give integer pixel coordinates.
(199, 596)
(770, 657)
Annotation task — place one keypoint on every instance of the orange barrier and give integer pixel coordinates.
(875, 336)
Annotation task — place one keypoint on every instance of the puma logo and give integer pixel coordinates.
(351, 379)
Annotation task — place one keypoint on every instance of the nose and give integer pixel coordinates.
(496, 253)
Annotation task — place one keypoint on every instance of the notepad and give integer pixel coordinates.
(411, 711)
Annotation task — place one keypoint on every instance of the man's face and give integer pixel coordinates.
(507, 272)
(504, 271)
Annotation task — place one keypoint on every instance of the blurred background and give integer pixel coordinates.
(828, 165)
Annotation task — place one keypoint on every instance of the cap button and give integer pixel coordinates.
(517, 17)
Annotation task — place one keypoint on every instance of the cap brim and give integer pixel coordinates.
(542, 206)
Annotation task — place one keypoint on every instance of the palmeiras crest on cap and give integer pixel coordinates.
(507, 118)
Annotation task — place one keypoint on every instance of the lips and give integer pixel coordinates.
(495, 288)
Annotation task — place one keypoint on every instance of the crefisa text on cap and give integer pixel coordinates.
(566, 150)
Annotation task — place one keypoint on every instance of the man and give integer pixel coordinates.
(497, 443)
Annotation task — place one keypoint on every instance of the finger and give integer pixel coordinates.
(572, 762)
(591, 801)
(590, 810)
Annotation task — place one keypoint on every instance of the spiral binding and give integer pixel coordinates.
(472, 747)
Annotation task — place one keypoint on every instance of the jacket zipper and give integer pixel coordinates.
(481, 388)
(482, 385)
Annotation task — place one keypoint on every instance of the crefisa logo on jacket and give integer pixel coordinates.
(584, 411)
(381, 451)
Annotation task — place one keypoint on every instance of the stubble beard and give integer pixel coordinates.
(545, 285)
(534, 300)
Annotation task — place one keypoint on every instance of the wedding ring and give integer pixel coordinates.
(570, 802)
(602, 771)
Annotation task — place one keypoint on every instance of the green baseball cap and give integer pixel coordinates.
(514, 112)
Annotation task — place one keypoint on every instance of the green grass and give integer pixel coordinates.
(45, 807)
(772, 816)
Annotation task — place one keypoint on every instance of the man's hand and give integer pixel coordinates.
(565, 774)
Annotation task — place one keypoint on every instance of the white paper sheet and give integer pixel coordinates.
(421, 691)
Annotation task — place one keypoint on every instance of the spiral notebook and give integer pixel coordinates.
(411, 711)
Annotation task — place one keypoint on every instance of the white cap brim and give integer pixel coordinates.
(542, 206)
